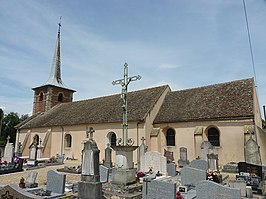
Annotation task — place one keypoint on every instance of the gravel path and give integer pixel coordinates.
(14, 178)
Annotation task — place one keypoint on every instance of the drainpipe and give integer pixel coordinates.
(62, 130)
(138, 133)
(264, 113)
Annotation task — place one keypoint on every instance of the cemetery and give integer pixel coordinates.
(153, 175)
(156, 176)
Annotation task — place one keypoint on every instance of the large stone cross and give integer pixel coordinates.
(124, 83)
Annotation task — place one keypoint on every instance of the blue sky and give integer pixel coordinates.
(183, 43)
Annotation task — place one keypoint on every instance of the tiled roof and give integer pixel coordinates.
(220, 101)
(106, 109)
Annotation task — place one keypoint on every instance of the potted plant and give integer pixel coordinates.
(22, 183)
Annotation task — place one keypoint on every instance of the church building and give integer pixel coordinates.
(226, 114)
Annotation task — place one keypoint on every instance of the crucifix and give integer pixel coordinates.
(124, 83)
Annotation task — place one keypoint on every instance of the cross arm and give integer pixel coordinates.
(120, 81)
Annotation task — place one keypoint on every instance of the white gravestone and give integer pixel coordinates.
(9, 150)
(155, 161)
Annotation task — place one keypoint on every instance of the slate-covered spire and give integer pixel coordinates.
(55, 75)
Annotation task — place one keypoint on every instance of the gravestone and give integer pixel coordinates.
(31, 179)
(104, 173)
(56, 182)
(252, 152)
(12, 191)
(90, 186)
(169, 155)
(141, 151)
(230, 167)
(199, 164)
(207, 189)
(183, 161)
(33, 148)
(240, 184)
(171, 169)
(108, 157)
(157, 189)
(9, 151)
(213, 161)
(191, 176)
(155, 161)
(205, 148)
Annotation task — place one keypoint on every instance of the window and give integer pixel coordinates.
(214, 136)
(68, 140)
(170, 137)
(60, 97)
(113, 139)
(41, 96)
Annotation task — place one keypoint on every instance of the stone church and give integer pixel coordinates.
(226, 114)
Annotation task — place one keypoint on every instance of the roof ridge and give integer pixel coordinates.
(212, 85)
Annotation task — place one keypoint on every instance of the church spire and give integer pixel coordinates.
(55, 75)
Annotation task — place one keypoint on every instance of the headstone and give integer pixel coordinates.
(205, 148)
(249, 193)
(183, 161)
(230, 167)
(108, 157)
(90, 186)
(104, 173)
(31, 179)
(240, 184)
(171, 169)
(169, 155)
(213, 161)
(12, 191)
(56, 182)
(208, 189)
(9, 151)
(155, 161)
(190, 176)
(159, 190)
(252, 152)
(141, 151)
(199, 164)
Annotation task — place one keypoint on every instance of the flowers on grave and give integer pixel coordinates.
(52, 159)
(178, 195)
(15, 159)
(22, 183)
(140, 173)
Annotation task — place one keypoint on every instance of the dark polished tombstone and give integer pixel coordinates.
(252, 174)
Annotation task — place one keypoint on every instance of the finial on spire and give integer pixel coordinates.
(59, 24)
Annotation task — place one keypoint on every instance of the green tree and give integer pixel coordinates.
(1, 119)
(9, 122)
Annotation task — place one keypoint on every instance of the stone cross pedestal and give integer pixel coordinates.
(124, 171)
(90, 186)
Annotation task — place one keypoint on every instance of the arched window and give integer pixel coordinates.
(113, 139)
(170, 137)
(68, 140)
(214, 136)
(41, 96)
(60, 97)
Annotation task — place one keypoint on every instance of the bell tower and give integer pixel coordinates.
(54, 91)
